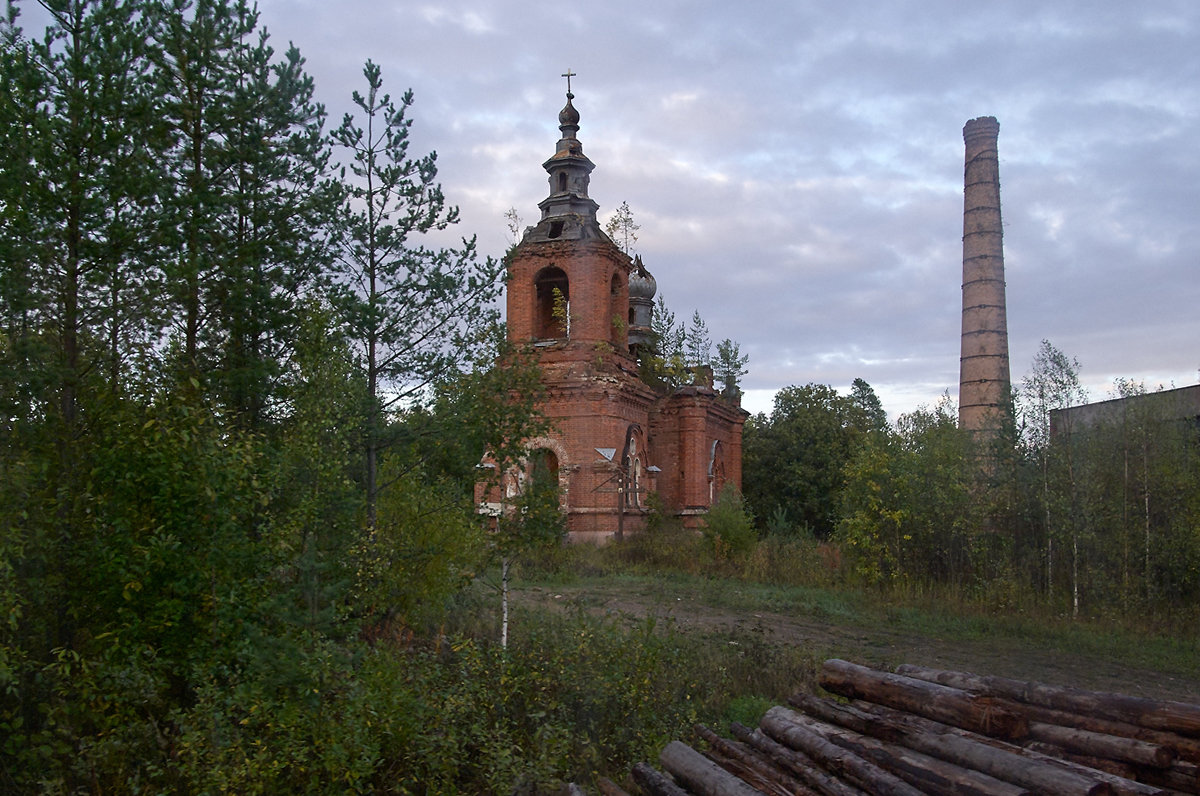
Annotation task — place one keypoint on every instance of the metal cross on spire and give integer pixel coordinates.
(568, 75)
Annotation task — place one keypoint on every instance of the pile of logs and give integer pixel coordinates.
(924, 730)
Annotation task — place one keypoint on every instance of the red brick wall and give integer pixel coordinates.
(594, 395)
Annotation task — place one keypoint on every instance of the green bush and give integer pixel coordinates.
(576, 698)
(729, 528)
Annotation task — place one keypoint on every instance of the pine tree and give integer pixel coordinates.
(697, 343)
(416, 313)
(251, 203)
(729, 368)
(869, 407)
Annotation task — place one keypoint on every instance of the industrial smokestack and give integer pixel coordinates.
(984, 381)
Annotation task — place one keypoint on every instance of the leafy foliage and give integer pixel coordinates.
(909, 503)
(728, 529)
(794, 459)
(187, 571)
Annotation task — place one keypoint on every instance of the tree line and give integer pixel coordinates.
(1088, 520)
(242, 401)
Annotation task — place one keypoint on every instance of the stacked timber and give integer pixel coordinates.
(927, 731)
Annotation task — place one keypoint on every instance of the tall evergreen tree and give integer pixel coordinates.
(729, 368)
(698, 344)
(251, 202)
(75, 190)
(869, 409)
(417, 314)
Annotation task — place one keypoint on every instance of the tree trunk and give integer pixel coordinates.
(931, 700)
(1010, 690)
(930, 774)
(1177, 717)
(752, 766)
(504, 603)
(782, 725)
(796, 762)
(654, 783)
(700, 775)
(994, 757)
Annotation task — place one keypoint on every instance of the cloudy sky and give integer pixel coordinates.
(796, 166)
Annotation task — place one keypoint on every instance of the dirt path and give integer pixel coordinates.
(885, 647)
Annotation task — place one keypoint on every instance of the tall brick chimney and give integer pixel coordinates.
(984, 380)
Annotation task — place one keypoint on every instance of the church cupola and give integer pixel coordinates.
(568, 212)
(642, 288)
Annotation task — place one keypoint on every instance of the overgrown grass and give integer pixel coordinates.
(579, 695)
(800, 578)
(583, 691)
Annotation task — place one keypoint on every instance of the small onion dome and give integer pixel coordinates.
(641, 283)
(568, 116)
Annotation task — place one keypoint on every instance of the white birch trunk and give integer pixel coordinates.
(504, 603)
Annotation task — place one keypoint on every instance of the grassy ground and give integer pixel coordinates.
(724, 605)
(615, 651)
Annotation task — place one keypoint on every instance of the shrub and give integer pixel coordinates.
(729, 528)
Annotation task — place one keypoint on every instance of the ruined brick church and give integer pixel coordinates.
(585, 309)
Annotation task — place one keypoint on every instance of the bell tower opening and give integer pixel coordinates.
(552, 296)
(616, 314)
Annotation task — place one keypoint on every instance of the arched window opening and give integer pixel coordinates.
(615, 314)
(543, 468)
(562, 182)
(552, 314)
(716, 471)
(541, 501)
(633, 466)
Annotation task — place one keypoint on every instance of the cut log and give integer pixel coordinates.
(609, 788)
(941, 703)
(1182, 777)
(1095, 744)
(780, 724)
(1034, 764)
(748, 775)
(800, 764)
(1186, 748)
(759, 770)
(700, 775)
(654, 782)
(930, 774)
(961, 747)
(1177, 717)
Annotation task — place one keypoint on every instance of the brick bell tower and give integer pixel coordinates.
(568, 296)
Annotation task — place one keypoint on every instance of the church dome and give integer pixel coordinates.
(641, 283)
(568, 115)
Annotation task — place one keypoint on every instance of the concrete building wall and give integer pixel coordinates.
(1182, 403)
